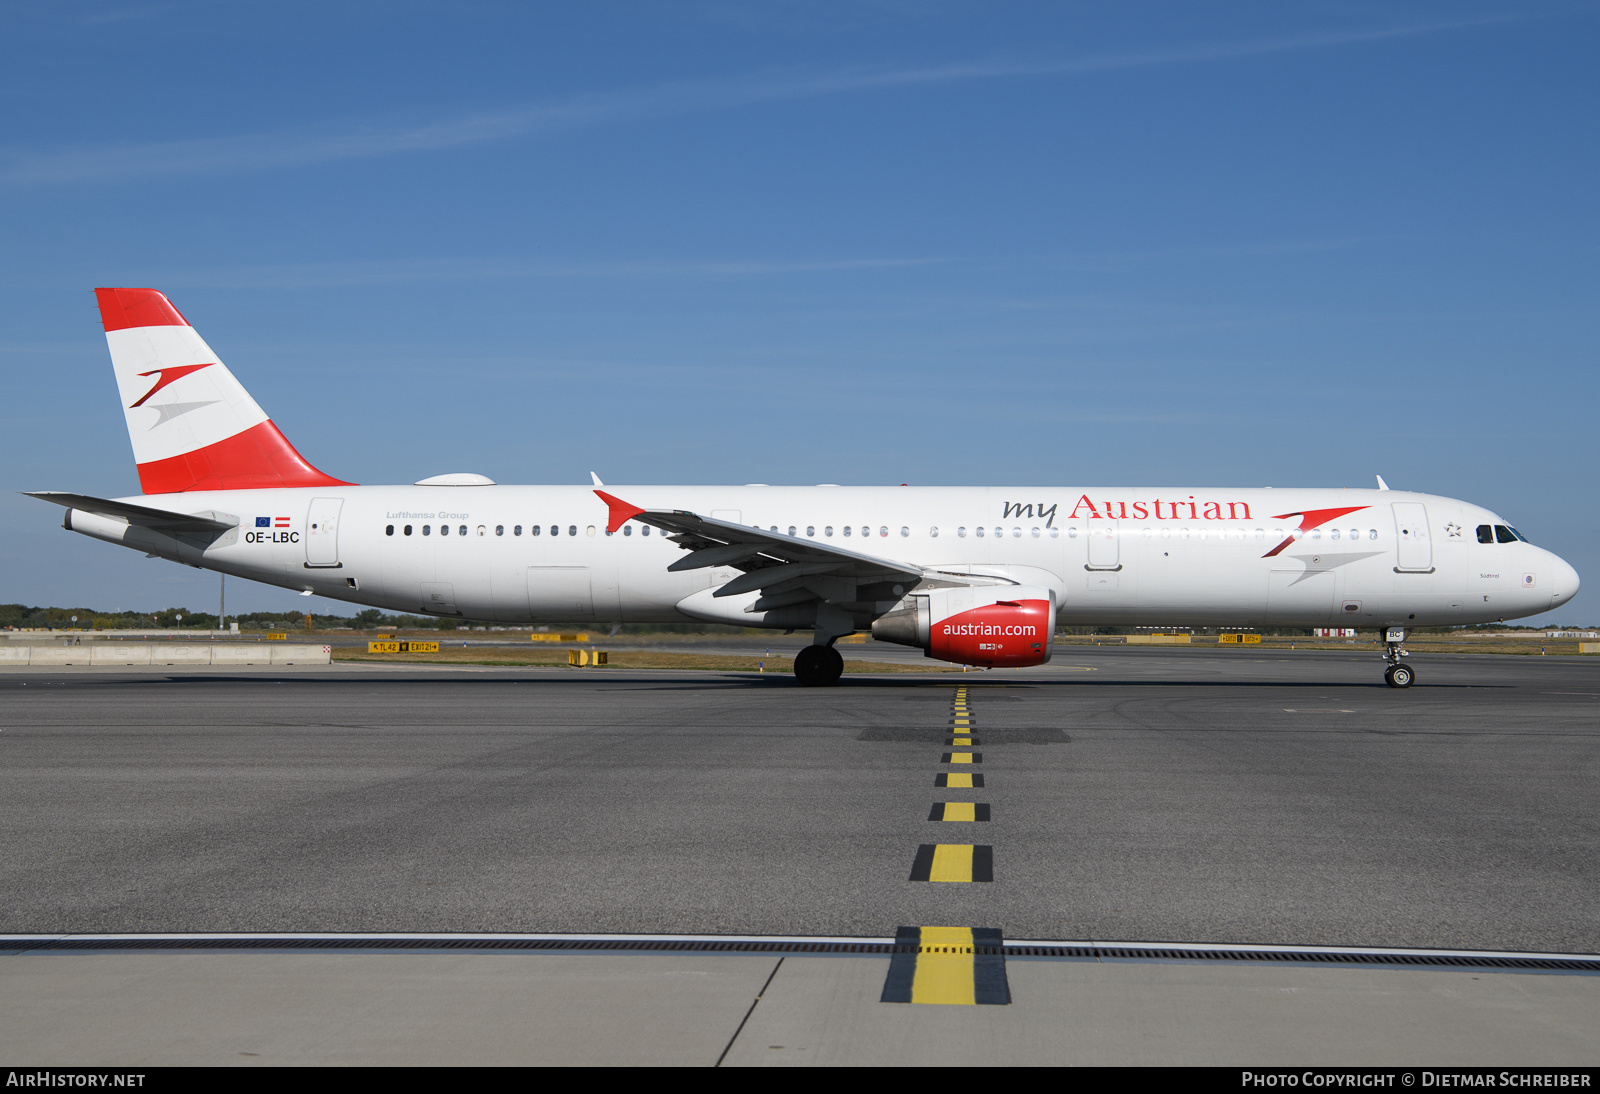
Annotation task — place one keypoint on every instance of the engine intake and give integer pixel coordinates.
(997, 626)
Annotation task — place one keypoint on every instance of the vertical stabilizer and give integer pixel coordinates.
(193, 426)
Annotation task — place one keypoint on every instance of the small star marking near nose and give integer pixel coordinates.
(1453, 529)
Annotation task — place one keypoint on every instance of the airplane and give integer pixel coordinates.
(971, 575)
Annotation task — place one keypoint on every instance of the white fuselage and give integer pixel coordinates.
(1130, 556)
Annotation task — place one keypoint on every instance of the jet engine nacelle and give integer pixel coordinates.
(997, 626)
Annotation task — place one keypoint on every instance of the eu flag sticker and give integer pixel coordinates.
(263, 522)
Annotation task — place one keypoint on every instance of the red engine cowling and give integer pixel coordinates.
(997, 626)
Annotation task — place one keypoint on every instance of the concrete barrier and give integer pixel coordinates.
(253, 654)
(131, 653)
(1589, 647)
(118, 653)
(58, 655)
(180, 655)
(301, 655)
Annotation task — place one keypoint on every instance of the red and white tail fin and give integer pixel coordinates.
(193, 426)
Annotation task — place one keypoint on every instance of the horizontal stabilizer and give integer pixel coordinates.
(144, 516)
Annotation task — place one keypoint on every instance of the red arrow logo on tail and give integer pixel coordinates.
(165, 376)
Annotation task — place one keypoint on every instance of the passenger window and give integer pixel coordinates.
(828, 531)
(572, 529)
(933, 533)
(1054, 532)
(791, 529)
(427, 529)
(627, 529)
(847, 529)
(904, 531)
(1146, 533)
(408, 529)
(811, 530)
(388, 530)
(961, 533)
(535, 529)
(516, 530)
(444, 530)
(645, 531)
(555, 529)
(1485, 534)
(883, 531)
(463, 530)
(978, 532)
(1502, 534)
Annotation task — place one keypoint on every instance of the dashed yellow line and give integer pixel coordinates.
(959, 966)
(953, 862)
(959, 811)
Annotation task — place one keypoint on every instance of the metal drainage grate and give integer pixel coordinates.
(1079, 951)
(137, 943)
(1411, 958)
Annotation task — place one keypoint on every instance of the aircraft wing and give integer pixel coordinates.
(787, 570)
(158, 519)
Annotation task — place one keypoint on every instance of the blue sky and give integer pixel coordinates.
(943, 242)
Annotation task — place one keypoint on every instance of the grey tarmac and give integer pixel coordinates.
(1187, 796)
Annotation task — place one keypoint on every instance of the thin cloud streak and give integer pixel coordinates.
(329, 144)
(321, 275)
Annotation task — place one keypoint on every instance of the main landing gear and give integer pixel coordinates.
(818, 666)
(1396, 675)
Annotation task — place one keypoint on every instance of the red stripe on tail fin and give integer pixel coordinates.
(124, 308)
(259, 458)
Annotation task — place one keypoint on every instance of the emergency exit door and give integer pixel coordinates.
(322, 533)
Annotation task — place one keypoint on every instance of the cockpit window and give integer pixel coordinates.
(1519, 535)
(1502, 534)
(1485, 534)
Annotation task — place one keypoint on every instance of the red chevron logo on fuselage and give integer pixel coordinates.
(165, 376)
(1309, 519)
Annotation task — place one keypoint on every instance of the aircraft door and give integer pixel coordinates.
(322, 533)
(1415, 549)
(1104, 545)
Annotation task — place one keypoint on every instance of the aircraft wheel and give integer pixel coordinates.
(818, 666)
(1399, 676)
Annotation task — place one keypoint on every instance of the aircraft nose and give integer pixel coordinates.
(1565, 583)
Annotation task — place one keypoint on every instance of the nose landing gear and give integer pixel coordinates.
(1396, 675)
